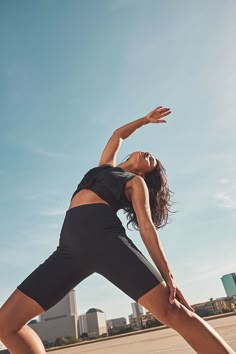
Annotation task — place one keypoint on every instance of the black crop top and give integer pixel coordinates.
(108, 183)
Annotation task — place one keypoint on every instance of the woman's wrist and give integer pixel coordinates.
(169, 278)
(145, 121)
(126, 130)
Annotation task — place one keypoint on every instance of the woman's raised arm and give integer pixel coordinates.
(113, 145)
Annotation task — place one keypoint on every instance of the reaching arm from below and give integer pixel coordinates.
(113, 145)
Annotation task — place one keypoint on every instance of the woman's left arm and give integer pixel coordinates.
(139, 195)
(113, 145)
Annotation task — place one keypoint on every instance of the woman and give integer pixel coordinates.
(93, 239)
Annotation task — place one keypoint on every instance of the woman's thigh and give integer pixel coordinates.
(125, 266)
(44, 287)
(55, 277)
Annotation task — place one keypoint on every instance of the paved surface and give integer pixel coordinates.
(165, 341)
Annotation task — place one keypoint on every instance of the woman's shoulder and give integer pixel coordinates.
(137, 183)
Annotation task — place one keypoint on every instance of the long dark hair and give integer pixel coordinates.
(159, 199)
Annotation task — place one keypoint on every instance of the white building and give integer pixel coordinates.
(96, 322)
(82, 324)
(59, 321)
(137, 309)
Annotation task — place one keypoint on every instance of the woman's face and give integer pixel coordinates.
(143, 161)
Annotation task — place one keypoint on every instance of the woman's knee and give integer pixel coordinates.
(173, 314)
(5, 325)
(17, 311)
(170, 314)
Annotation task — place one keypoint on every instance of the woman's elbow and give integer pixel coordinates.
(117, 134)
(146, 228)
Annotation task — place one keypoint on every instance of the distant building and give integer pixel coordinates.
(83, 324)
(229, 283)
(96, 322)
(230, 302)
(213, 307)
(135, 318)
(59, 321)
(148, 320)
(135, 322)
(143, 321)
(116, 323)
(137, 309)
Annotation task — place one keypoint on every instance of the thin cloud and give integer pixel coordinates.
(50, 154)
(223, 156)
(49, 195)
(225, 200)
(53, 212)
(224, 180)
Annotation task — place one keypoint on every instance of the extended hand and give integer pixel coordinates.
(157, 114)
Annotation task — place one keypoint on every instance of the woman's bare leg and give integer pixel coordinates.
(14, 333)
(197, 332)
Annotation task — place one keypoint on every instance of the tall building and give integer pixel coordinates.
(67, 306)
(59, 321)
(96, 322)
(229, 283)
(137, 309)
(83, 324)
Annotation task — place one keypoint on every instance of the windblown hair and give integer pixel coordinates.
(159, 199)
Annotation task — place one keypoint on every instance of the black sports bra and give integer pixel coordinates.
(108, 183)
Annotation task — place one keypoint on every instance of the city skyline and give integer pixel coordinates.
(72, 73)
(134, 305)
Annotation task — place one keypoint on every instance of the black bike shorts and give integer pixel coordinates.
(92, 239)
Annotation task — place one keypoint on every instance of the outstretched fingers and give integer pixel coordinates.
(165, 114)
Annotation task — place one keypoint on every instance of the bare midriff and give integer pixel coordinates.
(86, 196)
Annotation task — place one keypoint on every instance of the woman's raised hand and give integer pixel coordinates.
(157, 114)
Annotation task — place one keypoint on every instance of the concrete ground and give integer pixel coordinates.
(165, 341)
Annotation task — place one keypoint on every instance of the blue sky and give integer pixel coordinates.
(74, 71)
